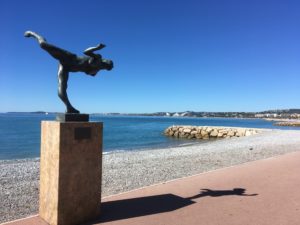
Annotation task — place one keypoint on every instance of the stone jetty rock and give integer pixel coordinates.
(204, 132)
(291, 124)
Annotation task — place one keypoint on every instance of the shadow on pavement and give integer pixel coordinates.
(149, 205)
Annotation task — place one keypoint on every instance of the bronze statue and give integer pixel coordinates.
(90, 64)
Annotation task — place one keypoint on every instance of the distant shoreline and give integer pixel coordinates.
(142, 115)
(150, 115)
(269, 114)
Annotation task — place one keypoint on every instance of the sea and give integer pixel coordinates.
(20, 132)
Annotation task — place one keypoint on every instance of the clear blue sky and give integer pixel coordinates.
(208, 55)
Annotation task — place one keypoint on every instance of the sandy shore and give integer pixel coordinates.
(130, 170)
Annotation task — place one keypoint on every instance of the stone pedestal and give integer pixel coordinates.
(70, 172)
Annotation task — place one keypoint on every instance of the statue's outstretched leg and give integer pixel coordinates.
(65, 57)
(63, 77)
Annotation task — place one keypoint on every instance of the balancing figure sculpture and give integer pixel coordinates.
(90, 64)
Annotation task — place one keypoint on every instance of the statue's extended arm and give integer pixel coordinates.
(90, 51)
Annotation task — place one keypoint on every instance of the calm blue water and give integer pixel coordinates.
(20, 133)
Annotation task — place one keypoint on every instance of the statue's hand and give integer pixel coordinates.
(100, 46)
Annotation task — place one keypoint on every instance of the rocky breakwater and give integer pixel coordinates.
(286, 123)
(206, 132)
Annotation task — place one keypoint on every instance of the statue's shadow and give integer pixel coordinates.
(149, 205)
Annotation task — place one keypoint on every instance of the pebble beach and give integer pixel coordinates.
(125, 171)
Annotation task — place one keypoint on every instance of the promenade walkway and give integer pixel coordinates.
(262, 192)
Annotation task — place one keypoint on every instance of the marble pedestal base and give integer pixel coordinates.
(70, 172)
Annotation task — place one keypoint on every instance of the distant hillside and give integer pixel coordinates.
(291, 111)
(278, 113)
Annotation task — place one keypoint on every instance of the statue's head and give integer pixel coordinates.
(96, 64)
(107, 64)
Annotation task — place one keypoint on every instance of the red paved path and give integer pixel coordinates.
(272, 186)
